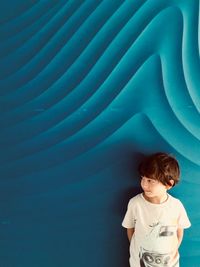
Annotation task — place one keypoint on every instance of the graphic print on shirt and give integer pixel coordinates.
(152, 259)
(155, 258)
(159, 230)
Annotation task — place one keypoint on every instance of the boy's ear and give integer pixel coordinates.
(171, 181)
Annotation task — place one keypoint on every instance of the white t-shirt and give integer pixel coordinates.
(154, 241)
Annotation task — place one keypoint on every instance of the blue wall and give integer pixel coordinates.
(87, 88)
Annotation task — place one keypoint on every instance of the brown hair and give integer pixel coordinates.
(161, 167)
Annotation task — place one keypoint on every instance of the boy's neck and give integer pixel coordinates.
(157, 199)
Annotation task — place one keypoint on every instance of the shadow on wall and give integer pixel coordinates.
(131, 181)
(128, 186)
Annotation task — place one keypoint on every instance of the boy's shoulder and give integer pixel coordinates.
(175, 201)
(134, 200)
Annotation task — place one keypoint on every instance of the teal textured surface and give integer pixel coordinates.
(86, 89)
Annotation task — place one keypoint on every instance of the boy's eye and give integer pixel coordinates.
(150, 181)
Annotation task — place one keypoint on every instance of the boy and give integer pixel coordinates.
(154, 219)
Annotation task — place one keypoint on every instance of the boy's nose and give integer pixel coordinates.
(144, 184)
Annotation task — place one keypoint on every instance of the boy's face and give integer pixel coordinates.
(153, 188)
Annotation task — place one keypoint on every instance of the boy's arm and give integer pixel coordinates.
(180, 232)
(130, 232)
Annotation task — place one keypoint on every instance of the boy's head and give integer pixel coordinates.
(161, 167)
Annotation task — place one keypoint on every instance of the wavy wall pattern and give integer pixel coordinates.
(86, 88)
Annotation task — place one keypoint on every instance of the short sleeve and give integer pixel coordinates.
(183, 220)
(129, 219)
